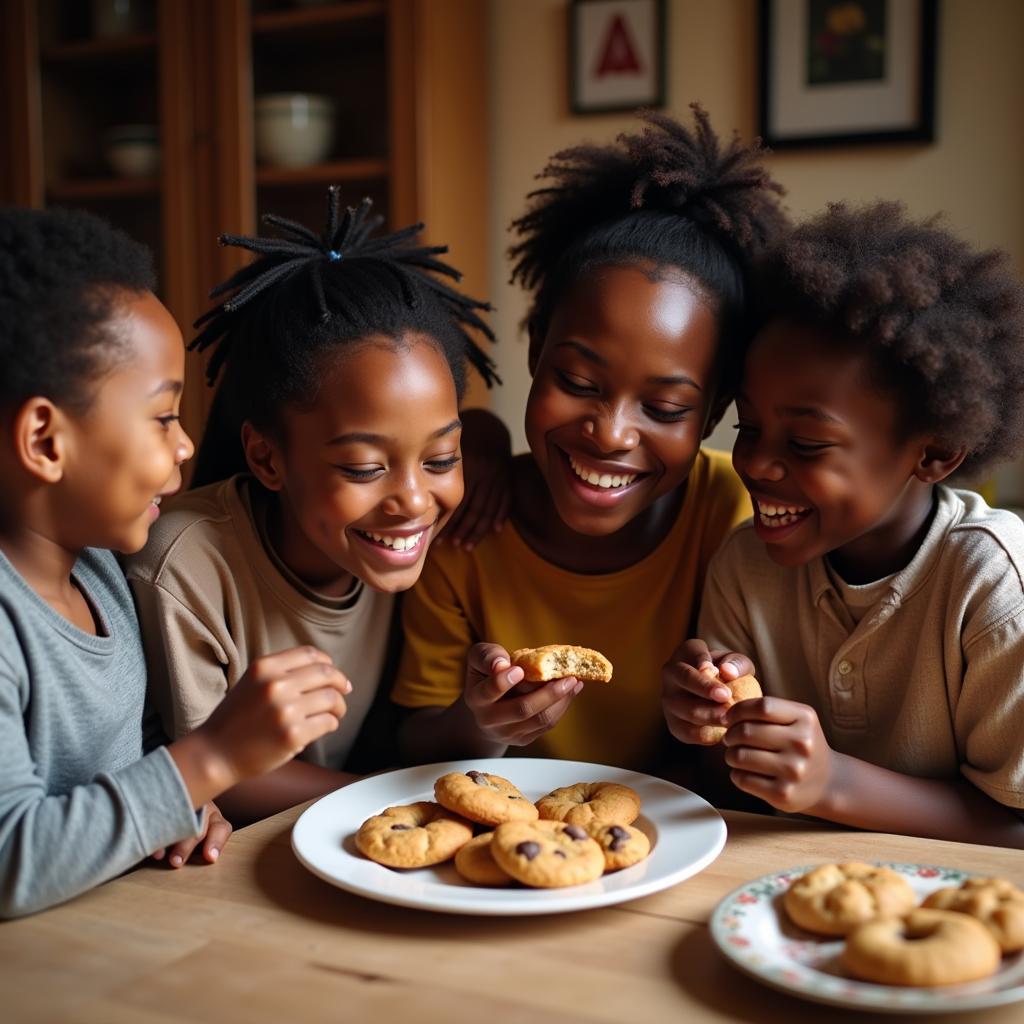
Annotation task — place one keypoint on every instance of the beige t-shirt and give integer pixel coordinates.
(929, 681)
(213, 596)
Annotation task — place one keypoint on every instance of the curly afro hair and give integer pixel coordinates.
(944, 322)
(62, 275)
(667, 196)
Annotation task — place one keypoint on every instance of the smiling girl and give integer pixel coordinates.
(344, 357)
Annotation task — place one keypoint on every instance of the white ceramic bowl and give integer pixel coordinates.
(293, 129)
(133, 150)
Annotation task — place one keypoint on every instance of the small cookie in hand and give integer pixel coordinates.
(623, 845)
(835, 898)
(742, 688)
(412, 835)
(547, 854)
(476, 864)
(995, 902)
(588, 803)
(556, 661)
(483, 798)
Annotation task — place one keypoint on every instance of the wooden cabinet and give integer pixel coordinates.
(408, 84)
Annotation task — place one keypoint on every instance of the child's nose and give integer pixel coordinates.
(184, 449)
(611, 431)
(762, 464)
(410, 499)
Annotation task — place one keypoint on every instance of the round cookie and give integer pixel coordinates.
(835, 898)
(742, 688)
(995, 902)
(925, 947)
(588, 803)
(547, 854)
(623, 845)
(476, 864)
(412, 835)
(486, 799)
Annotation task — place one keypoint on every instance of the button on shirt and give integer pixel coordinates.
(922, 672)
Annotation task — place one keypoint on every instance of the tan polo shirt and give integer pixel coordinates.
(926, 681)
(213, 596)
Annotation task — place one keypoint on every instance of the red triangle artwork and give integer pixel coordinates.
(618, 53)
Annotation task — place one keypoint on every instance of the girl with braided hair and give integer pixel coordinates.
(342, 359)
(637, 255)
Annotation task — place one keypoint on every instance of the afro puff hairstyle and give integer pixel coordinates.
(667, 196)
(62, 275)
(943, 322)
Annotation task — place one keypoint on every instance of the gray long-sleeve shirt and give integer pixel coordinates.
(79, 803)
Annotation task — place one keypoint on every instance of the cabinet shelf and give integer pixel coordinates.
(317, 17)
(323, 174)
(84, 189)
(89, 51)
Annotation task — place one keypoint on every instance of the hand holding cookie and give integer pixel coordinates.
(504, 710)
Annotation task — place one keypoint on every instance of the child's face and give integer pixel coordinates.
(820, 450)
(125, 451)
(623, 385)
(370, 474)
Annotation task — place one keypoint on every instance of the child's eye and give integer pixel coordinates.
(359, 473)
(166, 421)
(810, 447)
(443, 465)
(744, 430)
(665, 414)
(575, 385)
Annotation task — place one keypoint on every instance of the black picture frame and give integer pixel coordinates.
(796, 112)
(630, 92)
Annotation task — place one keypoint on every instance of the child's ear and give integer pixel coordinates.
(39, 439)
(536, 344)
(263, 457)
(938, 461)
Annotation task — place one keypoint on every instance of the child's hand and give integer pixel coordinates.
(216, 832)
(505, 709)
(778, 752)
(487, 469)
(692, 694)
(282, 704)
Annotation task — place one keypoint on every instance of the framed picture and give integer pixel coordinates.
(616, 55)
(847, 71)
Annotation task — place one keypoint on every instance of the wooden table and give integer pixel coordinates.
(258, 938)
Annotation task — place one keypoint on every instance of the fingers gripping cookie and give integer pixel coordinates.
(742, 688)
(412, 835)
(586, 803)
(484, 798)
(835, 898)
(995, 902)
(556, 661)
(547, 854)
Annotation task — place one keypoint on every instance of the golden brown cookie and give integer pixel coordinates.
(547, 854)
(476, 864)
(484, 798)
(834, 898)
(412, 835)
(623, 845)
(995, 902)
(743, 688)
(591, 802)
(925, 947)
(556, 661)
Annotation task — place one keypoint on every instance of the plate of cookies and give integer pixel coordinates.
(889, 937)
(508, 836)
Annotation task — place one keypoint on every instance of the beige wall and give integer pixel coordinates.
(975, 170)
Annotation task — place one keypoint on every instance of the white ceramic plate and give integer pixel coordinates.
(686, 835)
(751, 929)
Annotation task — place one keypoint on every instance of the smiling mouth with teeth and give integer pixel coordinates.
(606, 481)
(780, 515)
(395, 543)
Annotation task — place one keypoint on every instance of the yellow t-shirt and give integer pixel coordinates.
(503, 592)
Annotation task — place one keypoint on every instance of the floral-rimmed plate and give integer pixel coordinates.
(751, 929)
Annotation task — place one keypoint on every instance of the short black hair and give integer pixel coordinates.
(62, 276)
(666, 195)
(943, 321)
(308, 294)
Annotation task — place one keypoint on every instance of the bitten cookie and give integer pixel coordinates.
(834, 898)
(412, 835)
(623, 845)
(995, 902)
(926, 947)
(547, 854)
(476, 864)
(556, 661)
(743, 688)
(487, 799)
(591, 802)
